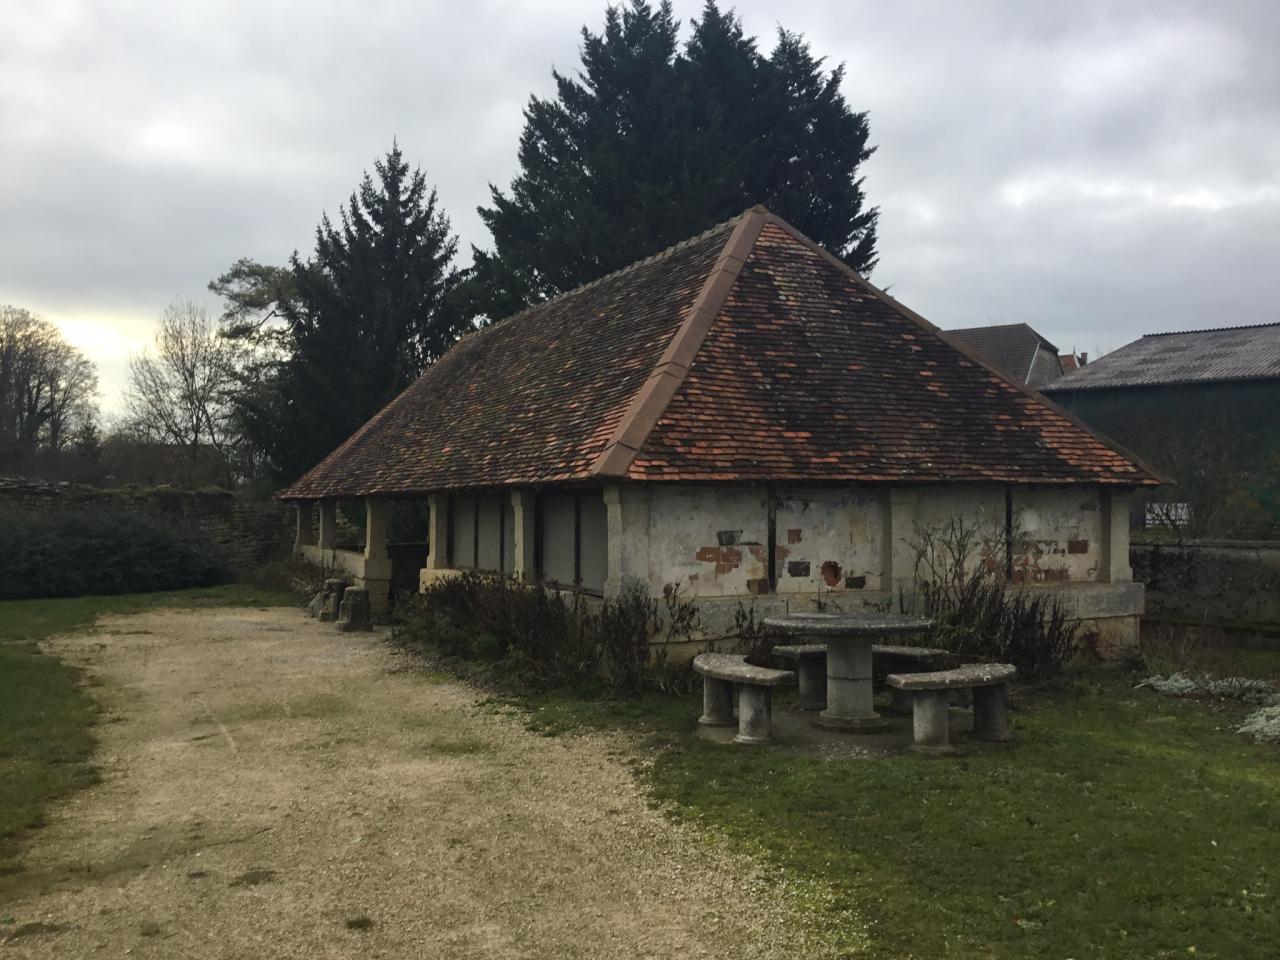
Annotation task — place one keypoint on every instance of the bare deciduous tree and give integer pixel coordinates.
(47, 387)
(180, 390)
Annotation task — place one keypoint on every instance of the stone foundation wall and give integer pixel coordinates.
(251, 532)
(1222, 583)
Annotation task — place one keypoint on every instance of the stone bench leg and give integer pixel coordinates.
(991, 714)
(717, 703)
(900, 701)
(811, 675)
(755, 713)
(929, 721)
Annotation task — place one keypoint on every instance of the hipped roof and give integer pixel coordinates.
(746, 354)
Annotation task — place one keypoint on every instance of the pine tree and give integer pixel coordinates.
(365, 315)
(651, 144)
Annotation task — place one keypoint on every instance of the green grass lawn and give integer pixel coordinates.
(1121, 824)
(46, 716)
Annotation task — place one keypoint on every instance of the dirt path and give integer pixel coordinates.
(272, 788)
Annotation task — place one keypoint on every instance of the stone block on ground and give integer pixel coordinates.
(332, 599)
(353, 612)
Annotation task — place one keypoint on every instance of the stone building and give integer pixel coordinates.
(741, 416)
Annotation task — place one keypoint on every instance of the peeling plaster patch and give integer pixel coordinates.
(728, 538)
(708, 554)
(794, 535)
(831, 573)
(758, 587)
(798, 568)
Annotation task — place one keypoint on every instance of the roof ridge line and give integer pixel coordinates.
(1177, 333)
(633, 265)
(651, 400)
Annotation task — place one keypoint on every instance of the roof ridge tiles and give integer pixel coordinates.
(621, 271)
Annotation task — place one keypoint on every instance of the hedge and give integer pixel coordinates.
(70, 553)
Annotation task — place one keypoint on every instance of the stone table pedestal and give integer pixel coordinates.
(849, 637)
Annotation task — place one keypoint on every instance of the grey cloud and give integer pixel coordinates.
(1098, 170)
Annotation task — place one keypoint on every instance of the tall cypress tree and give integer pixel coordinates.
(368, 311)
(651, 143)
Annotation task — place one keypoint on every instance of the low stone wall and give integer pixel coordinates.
(1218, 582)
(251, 532)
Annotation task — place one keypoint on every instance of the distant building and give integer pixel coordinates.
(1072, 361)
(1014, 349)
(1202, 405)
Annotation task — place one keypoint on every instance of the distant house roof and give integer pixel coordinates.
(1192, 356)
(1069, 362)
(745, 354)
(1015, 349)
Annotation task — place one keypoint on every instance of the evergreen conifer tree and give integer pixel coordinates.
(362, 319)
(652, 143)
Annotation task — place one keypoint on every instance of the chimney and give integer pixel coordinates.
(1084, 358)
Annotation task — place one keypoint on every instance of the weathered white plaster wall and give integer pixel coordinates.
(712, 541)
(1058, 534)
(829, 539)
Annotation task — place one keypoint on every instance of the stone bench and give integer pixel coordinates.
(811, 672)
(721, 674)
(888, 658)
(811, 668)
(989, 683)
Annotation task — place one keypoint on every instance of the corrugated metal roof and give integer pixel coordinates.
(1191, 356)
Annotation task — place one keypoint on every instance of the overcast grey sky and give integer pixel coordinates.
(1098, 170)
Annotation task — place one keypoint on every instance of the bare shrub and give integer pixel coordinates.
(540, 638)
(959, 581)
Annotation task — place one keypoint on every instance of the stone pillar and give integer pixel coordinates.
(849, 692)
(377, 566)
(1113, 565)
(328, 524)
(898, 531)
(930, 723)
(755, 714)
(717, 703)
(811, 677)
(305, 536)
(437, 531)
(991, 714)
(524, 557)
(627, 507)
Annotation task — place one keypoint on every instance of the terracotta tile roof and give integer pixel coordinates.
(746, 354)
(809, 373)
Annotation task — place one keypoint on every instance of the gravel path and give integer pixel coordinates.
(272, 788)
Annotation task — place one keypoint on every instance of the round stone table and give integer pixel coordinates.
(848, 637)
